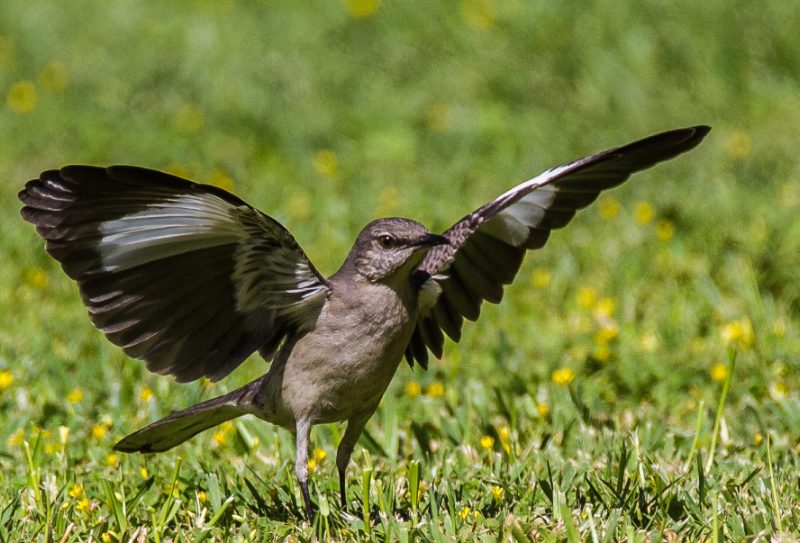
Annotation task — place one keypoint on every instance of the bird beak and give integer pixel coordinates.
(431, 240)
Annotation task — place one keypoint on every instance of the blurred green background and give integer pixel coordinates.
(328, 114)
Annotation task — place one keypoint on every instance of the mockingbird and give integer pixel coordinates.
(193, 280)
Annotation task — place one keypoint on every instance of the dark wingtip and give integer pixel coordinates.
(122, 446)
(699, 132)
(23, 194)
(692, 136)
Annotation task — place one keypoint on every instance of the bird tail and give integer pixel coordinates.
(173, 430)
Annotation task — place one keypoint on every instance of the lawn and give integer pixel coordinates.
(641, 379)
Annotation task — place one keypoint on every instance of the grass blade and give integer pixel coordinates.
(776, 510)
(720, 407)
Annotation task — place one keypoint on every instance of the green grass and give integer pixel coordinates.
(598, 402)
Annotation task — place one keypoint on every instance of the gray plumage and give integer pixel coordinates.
(192, 280)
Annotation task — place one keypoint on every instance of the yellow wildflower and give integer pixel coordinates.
(84, 505)
(75, 395)
(602, 352)
(413, 389)
(220, 178)
(543, 409)
(319, 454)
(464, 513)
(497, 493)
(22, 97)
(299, 206)
(587, 297)
(220, 438)
(606, 335)
(53, 77)
(719, 372)
(112, 460)
(503, 431)
(146, 394)
(36, 278)
(643, 212)
(738, 145)
(17, 438)
(541, 278)
(225, 429)
(106, 537)
(778, 390)
(487, 442)
(563, 376)
(435, 389)
(178, 170)
(312, 464)
(143, 473)
(202, 497)
(665, 229)
(361, 8)
(99, 431)
(75, 491)
(648, 342)
(6, 379)
(738, 333)
(478, 14)
(608, 207)
(758, 438)
(189, 119)
(324, 162)
(605, 308)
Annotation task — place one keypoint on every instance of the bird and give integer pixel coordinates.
(193, 280)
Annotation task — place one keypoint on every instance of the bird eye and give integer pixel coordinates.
(386, 241)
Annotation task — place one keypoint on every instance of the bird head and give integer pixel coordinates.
(388, 248)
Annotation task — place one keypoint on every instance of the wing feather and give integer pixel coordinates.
(185, 276)
(448, 319)
(487, 246)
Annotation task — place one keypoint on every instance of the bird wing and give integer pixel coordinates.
(184, 276)
(487, 246)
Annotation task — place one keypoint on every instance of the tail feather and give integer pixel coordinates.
(173, 430)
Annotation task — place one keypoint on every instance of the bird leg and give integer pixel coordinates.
(302, 431)
(354, 428)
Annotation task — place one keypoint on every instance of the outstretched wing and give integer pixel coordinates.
(185, 276)
(487, 246)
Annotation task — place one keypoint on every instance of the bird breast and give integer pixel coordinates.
(344, 365)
